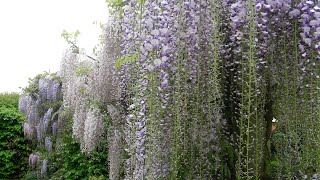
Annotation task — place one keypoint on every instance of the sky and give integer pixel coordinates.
(30, 35)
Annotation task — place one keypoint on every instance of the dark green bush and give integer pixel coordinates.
(68, 162)
(9, 100)
(272, 168)
(14, 149)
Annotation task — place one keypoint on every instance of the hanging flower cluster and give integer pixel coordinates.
(172, 53)
(176, 77)
(48, 144)
(309, 13)
(93, 129)
(40, 104)
(34, 106)
(34, 160)
(24, 104)
(115, 137)
(167, 44)
(87, 83)
(44, 168)
(76, 75)
(49, 89)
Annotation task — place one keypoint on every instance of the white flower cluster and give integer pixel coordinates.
(48, 144)
(86, 81)
(67, 69)
(79, 118)
(81, 86)
(115, 137)
(75, 75)
(93, 129)
(104, 86)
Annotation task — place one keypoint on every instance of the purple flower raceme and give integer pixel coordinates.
(255, 26)
(46, 118)
(171, 33)
(34, 160)
(44, 168)
(43, 88)
(55, 93)
(24, 103)
(40, 126)
(54, 128)
(33, 115)
(159, 73)
(309, 14)
(40, 131)
(49, 89)
(28, 130)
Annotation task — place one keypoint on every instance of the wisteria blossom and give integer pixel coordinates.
(93, 129)
(34, 160)
(41, 123)
(189, 89)
(44, 168)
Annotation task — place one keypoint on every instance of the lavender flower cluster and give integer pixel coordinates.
(34, 160)
(165, 70)
(172, 42)
(308, 13)
(173, 47)
(49, 89)
(41, 124)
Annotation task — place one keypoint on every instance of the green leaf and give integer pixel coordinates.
(129, 58)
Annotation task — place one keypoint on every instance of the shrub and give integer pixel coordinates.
(9, 100)
(70, 163)
(13, 147)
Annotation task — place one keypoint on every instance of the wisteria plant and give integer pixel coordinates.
(192, 88)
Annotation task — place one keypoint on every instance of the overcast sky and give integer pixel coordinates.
(30, 35)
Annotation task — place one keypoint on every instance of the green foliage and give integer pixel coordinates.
(14, 149)
(9, 100)
(33, 87)
(71, 38)
(97, 178)
(54, 105)
(278, 140)
(68, 162)
(124, 59)
(84, 69)
(55, 76)
(30, 176)
(272, 168)
(116, 4)
(228, 157)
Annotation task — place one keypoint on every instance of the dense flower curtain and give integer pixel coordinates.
(192, 86)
